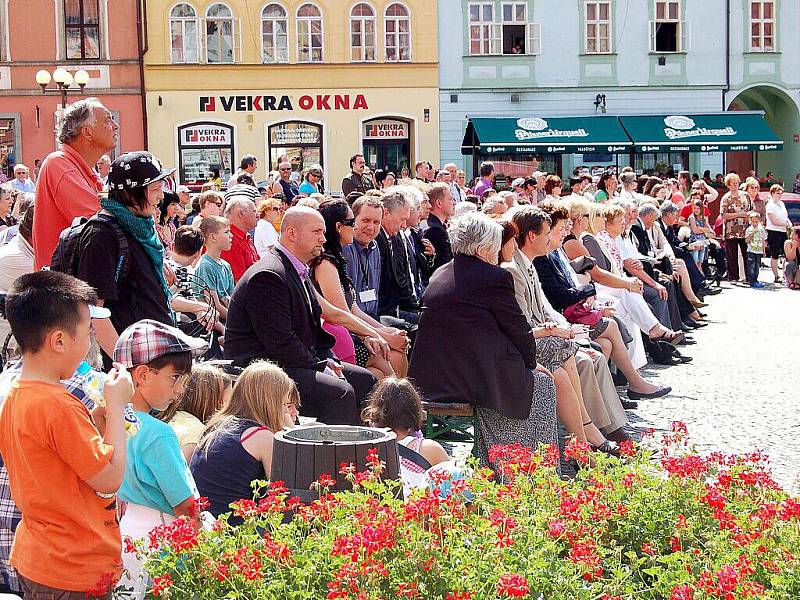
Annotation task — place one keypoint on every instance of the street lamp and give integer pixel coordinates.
(63, 79)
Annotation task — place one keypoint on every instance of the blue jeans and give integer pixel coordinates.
(753, 266)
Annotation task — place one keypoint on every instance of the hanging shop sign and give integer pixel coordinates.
(385, 129)
(206, 135)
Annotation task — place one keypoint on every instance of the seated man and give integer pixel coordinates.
(275, 312)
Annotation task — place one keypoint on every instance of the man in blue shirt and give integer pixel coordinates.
(363, 256)
(21, 180)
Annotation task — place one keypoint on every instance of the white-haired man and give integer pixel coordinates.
(21, 180)
(68, 186)
(242, 214)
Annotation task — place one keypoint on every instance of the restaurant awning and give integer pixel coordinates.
(731, 131)
(551, 135)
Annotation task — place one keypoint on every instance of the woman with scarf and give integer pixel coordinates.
(119, 253)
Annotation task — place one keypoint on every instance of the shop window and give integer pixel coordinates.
(362, 33)
(598, 27)
(397, 23)
(183, 34)
(204, 147)
(309, 34)
(299, 140)
(512, 34)
(220, 35)
(82, 29)
(667, 32)
(274, 34)
(762, 26)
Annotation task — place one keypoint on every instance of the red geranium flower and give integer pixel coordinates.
(512, 585)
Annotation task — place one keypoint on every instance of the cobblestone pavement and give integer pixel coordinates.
(740, 392)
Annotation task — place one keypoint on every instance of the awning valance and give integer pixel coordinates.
(551, 135)
(731, 131)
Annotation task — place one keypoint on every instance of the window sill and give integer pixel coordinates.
(592, 54)
(762, 53)
(499, 55)
(678, 53)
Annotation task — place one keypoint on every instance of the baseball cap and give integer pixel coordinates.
(518, 182)
(183, 189)
(135, 169)
(537, 174)
(147, 340)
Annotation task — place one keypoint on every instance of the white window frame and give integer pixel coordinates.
(682, 29)
(760, 22)
(235, 35)
(489, 30)
(183, 21)
(5, 46)
(362, 36)
(309, 34)
(395, 36)
(275, 45)
(597, 22)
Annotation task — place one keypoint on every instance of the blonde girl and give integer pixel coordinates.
(236, 448)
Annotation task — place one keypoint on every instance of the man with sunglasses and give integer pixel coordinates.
(285, 185)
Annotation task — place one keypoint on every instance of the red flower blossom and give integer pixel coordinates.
(681, 592)
(161, 584)
(557, 528)
(512, 585)
(326, 481)
(627, 448)
(456, 595)
(647, 548)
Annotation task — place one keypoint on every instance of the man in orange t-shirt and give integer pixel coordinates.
(63, 473)
(67, 186)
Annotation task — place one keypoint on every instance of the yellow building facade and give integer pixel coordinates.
(315, 81)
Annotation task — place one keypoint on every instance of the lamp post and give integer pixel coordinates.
(63, 79)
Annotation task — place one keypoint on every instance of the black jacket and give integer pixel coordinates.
(269, 318)
(436, 233)
(395, 290)
(473, 343)
(557, 286)
(356, 183)
(422, 263)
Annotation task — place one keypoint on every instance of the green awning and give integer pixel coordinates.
(731, 131)
(551, 135)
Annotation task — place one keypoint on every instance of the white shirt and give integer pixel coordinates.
(265, 237)
(626, 249)
(16, 258)
(777, 215)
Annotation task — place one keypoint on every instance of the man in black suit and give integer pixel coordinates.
(420, 251)
(275, 312)
(356, 181)
(442, 208)
(398, 304)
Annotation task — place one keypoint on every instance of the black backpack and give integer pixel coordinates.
(65, 256)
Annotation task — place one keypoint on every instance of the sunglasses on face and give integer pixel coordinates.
(348, 222)
(285, 169)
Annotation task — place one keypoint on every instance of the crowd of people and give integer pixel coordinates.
(535, 305)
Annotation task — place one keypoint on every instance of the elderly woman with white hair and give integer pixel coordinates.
(471, 316)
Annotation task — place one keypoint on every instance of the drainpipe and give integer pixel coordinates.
(142, 45)
(727, 53)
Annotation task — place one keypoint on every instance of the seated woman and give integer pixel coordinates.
(208, 388)
(236, 448)
(165, 220)
(395, 404)
(608, 274)
(557, 351)
(470, 315)
(562, 289)
(329, 273)
(266, 234)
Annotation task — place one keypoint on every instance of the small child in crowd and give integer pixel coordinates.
(236, 448)
(64, 467)
(208, 388)
(756, 237)
(212, 269)
(396, 404)
(158, 486)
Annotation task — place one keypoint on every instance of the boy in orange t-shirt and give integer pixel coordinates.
(63, 472)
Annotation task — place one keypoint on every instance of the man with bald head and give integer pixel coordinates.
(274, 314)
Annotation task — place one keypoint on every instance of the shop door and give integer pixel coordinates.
(391, 156)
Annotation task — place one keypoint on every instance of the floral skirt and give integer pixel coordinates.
(552, 352)
(496, 429)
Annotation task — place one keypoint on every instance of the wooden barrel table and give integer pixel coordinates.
(301, 454)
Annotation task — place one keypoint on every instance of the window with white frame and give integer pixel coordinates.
(362, 33)
(514, 21)
(274, 34)
(397, 23)
(82, 29)
(219, 34)
(667, 32)
(762, 26)
(598, 27)
(183, 34)
(309, 34)
(481, 29)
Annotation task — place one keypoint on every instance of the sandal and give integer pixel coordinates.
(673, 337)
(608, 447)
(778, 280)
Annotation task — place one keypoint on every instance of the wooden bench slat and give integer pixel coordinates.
(454, 409)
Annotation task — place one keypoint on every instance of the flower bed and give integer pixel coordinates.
(663, 523)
